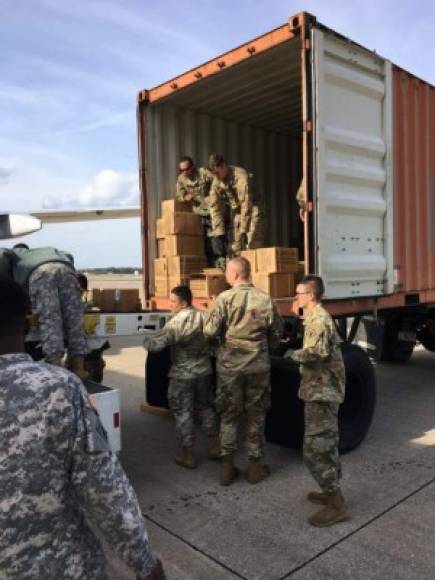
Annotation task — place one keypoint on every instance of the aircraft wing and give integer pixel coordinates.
(66, 216)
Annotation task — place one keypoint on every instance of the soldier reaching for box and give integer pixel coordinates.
(49, 276)
(233, 186)
(193, 184)
(190, 375)
(248, 324)
(322, 388)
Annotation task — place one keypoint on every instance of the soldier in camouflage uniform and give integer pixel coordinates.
(57, 470)
(190, 384)
(300, 198)
(248, 325)
(322, 388)
(49, 276)
(193, 184)
(233, 186)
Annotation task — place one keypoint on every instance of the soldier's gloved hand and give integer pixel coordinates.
(219, 245)
(157, 574)
(243, 241)
(289, 353)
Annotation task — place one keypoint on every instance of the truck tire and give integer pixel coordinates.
(156, 378)
(393, 349)
(285, 420)
(426, 334)
(356, 412)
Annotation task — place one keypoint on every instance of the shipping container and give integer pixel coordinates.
(303, 104)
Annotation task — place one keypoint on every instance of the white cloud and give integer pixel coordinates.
(4, 175)
(107, 188)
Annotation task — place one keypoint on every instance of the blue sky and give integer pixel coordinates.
(70, 72)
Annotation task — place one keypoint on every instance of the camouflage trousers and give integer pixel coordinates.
(190, 397)
(55, 296)
(238, 395)
(254, 235)
(321, 444)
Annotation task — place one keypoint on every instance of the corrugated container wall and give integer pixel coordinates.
(414, 182)
(275, 159)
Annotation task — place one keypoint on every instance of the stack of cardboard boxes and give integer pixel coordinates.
(274, 270)
(180, 246)
(181, 259)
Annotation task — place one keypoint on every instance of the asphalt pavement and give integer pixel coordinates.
(203, 531)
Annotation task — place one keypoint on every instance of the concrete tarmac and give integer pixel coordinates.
(203, 531)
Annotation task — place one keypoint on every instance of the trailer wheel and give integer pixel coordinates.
(356, 412)
(393, 349)
(426, 334)
(285, 420)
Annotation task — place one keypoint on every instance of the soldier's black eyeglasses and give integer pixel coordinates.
(300, 293)
(185, 169)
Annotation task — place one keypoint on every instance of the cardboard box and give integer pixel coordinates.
(177, 281)
(277, 260)
(160, 228)
(184, 266)
(96, 297)
(251, 256)
(173, 205)
(208, 285)
(161, 286)
(117, 300)
(161, 248)
(278, 285)
(180, 244)
(160, 267)
(179, 223)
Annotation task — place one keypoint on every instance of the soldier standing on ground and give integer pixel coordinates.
(322, 388)
(193, 184)
(190, 376)
(233, 186)
(248, 325)
(49, 276)
(57, 470)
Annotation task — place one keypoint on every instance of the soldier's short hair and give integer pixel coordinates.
(83, 281)
(216, 160)
(316, 285)
(183, 293)
(243, 266)
(14, 305)
(186, 159)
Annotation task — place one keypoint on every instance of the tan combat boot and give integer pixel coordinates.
(335, 511)
(228, 472)
(318, 497)
(214, 449)
(76, 364)
(257, 471)
(187, 458)
(54, 359)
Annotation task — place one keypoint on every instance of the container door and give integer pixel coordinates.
(352, 168)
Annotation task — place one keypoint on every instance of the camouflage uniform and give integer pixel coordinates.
(322, 388)
(248, 324)
(246, 209)
(190, 375)
(57, 472)
(300, 198)
(199, 187)
(55, 297)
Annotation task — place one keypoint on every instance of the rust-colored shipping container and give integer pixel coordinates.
(303, 104)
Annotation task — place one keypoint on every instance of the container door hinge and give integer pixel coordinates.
(308, 126)
(307, 44)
